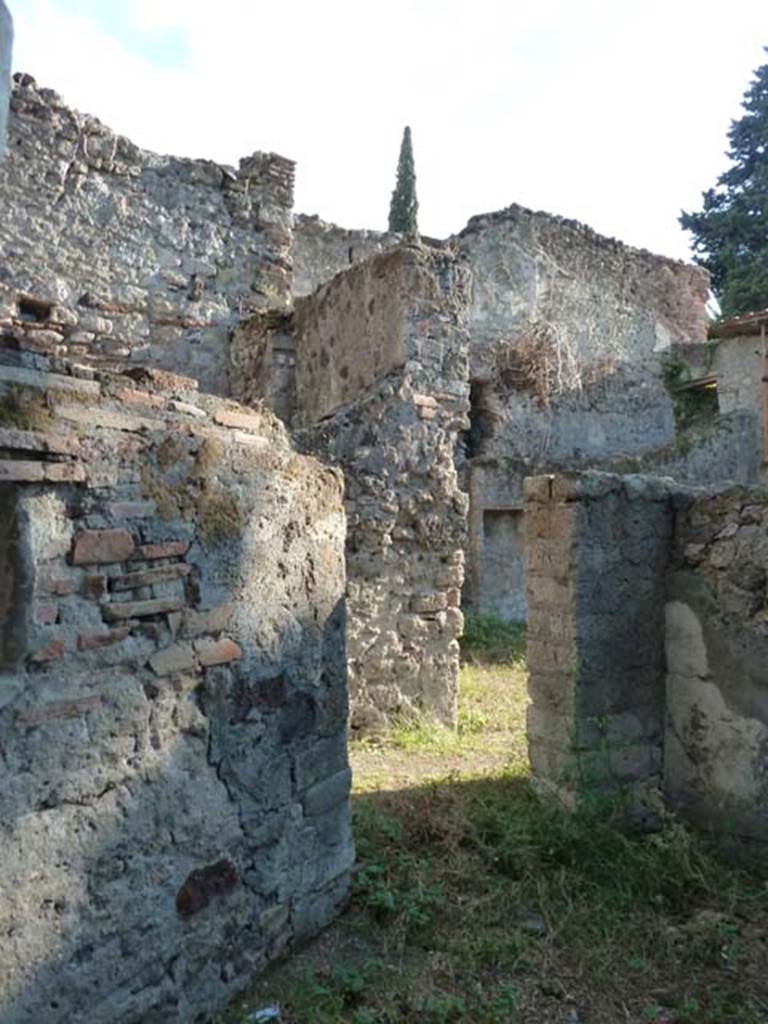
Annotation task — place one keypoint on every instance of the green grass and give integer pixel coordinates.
(490, 640)
(474, 903)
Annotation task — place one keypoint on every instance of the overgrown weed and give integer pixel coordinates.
(475, 903)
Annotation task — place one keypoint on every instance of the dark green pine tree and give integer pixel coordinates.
(730, 233)
(404, 208)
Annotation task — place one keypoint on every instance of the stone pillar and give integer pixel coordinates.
(597, 548)
(6, 45)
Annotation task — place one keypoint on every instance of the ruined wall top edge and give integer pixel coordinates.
(515, 213)
(592, 484)
(47, 105)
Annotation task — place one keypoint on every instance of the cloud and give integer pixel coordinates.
(611, 112)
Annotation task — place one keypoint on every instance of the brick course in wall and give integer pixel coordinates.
(173, 697)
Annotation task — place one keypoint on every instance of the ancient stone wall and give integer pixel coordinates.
(712, 451)
(395, 441)
(601, 300)
(6, 47)
(737, 363)
(597, 548)
(350, 333)
(114, 255)
(648, 645)
(321, 250)
(174, 808)
(568, 329)
(716, 769)
(263, 362)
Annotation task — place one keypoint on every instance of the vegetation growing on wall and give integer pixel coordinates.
(691, 404)
(540, 362)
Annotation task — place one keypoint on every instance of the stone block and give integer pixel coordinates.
(93, 547)
(176, 658)
(133, 397)
(108, 419)
(42, 380)
(166, 549)
(212, 620)
(51, 650)
(137, 609)
(23, 471)
(326, 794)
(46, 614)
(34, 441)
(95, 641)
(239, 420)
(131, 509)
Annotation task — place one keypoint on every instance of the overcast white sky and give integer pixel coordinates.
(611, 111)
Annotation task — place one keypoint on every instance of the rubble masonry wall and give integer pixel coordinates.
(174, 809)
(395, 440)
(597, 547)
(716, 768)
(112, 254)
(647, 647)
(321, 250)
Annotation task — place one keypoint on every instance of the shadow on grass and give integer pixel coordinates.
(474, 902)
(489, 640)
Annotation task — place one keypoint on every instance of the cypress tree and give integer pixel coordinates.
(404, 207)
(730, 232)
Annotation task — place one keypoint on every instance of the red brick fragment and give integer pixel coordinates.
(51, 651)
(58, 709)
(102, 546)
(217, 652)
(176, 658)
(56, 586)
(134, 397)
(96, 586)
(239, 420)
(168, 549)
(94, 641)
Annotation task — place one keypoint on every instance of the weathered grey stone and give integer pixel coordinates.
(144, 770)
(398, 325)
(123, 228)
(6, 47)
(598, 688)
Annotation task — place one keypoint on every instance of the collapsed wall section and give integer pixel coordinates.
(174, 808)
(114, 255)
(392, 423)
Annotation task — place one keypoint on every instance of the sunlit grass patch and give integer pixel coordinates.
(475, 903)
